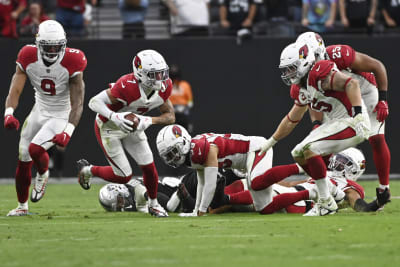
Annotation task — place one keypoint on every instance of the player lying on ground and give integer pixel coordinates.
(321, 87)
(174, 194)
(343, 171)
(134, 94)
(56, 73)
(371, 74)
(207, 152)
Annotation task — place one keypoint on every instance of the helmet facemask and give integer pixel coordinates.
(174, 157)
(344, 167)
(51, 50)
(289, 74)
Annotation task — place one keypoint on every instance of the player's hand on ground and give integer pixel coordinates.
(144, 122)
(191, 214)
(382, 110)
(61, 139)
(119, 119)
(10, 122)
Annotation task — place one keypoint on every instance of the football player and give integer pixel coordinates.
(56, 73)
(322, 87)
(344, 169)
(174, 194)
(371, 74)
(207, 152)
(147, 88)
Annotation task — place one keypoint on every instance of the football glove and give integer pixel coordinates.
(144, 122)
(119, 120)
(10, 122)
(382, 110)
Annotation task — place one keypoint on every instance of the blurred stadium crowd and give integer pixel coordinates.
(115, 19)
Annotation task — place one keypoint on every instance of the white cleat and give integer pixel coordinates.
(158, 211)
(39, 187)
(19, 211)
(323, 207)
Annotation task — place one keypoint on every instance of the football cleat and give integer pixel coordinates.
(84, 174)
(382, 197)
(157, 211)
(39, 189)
(18, 211)
(323, 207)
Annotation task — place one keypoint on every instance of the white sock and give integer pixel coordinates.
(312, 194)
(173, 202)
(153, 201)
(323, 189)
(383, 187)
(23, 206)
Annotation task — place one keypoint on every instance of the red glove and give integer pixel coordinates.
(10, 122)
(61, 139)
(382, 110)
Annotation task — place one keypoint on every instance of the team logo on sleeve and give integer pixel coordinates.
(137, 62)
(303, 52)
(177, 131)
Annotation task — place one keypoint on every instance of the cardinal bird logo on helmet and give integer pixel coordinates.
(177, 131)
(137, 62)
(303, 52)
(319, 39)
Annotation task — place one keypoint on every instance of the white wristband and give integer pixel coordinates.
(69, 129)
(272, 141)
(8, 111)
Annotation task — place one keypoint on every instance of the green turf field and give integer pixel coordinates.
(72, 229)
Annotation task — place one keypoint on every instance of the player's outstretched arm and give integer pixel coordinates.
(17, 86)
(359, 204)
(363, 62)
(286, 126)
(210, 179)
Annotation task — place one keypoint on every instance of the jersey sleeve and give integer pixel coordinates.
(342, 55)
(74, 61)
(26, 56)
(168, 90)
(199, 150)
(319, 72)
(357, 187)
(295, 93)
(117, 90)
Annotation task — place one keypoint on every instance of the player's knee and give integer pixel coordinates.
(35, 150)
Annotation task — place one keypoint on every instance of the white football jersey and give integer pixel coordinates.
(51, 83)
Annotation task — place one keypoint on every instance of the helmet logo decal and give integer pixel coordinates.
(303, 52)
(138, 62)
(319, 39)
(177, 131)
(362, 165)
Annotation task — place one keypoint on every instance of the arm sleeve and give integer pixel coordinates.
(363, 206)
(99, 102)
(200, 186)
(210, 183)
